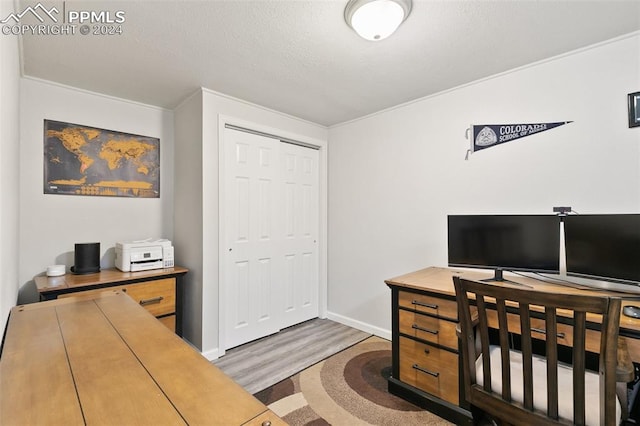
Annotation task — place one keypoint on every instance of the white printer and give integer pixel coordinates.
(144, 255)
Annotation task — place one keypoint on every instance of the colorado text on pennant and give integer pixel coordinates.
(488, 135)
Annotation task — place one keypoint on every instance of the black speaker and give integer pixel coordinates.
(86, 258)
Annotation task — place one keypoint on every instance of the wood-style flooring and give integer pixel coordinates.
(265, 362)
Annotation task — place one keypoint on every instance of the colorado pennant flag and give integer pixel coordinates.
(488, 135)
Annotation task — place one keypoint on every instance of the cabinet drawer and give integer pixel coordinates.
(429, 304)
(565, 332)
(430, 369)
(158, 296)
(427, 328)
(169, 322)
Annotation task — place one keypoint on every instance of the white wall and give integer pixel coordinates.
(202, 281)
(394, 176)
(50, 224)
(188, 164)
(9, 173)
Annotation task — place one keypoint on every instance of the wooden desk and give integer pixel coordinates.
(425, 354)
(107, 361)
(158, 290)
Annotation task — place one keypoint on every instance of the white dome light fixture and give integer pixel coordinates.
(376, 19)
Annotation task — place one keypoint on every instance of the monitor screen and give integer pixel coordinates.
(603, 246)
(505, 242)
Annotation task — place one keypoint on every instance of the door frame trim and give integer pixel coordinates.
(269, 135)
(286, 137)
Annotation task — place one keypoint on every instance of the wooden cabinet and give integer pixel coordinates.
(156, 296)
(425, 358)
(157, 290)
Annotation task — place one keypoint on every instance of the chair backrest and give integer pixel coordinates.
(486, 301)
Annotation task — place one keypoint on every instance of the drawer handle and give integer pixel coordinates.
(158, 299)
(542, 331)
(426, 305)
(424, 370)
(427, 330)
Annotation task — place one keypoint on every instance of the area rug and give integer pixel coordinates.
(348, 388)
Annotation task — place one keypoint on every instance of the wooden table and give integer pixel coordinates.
(108, 361)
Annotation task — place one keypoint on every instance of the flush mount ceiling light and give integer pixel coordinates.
(376, 19)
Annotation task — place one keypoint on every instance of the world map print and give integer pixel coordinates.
(80, 160)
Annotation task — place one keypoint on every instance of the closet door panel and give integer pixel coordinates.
(252, 262)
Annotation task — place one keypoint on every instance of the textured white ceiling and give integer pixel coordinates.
(299, 57)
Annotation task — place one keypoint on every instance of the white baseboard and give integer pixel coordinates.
(368, 328)
(212, 354)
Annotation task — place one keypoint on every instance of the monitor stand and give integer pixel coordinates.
(498, 277)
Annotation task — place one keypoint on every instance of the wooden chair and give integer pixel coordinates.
(520, 387)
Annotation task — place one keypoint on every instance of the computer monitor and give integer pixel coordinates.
(603, 247)
(505, 242)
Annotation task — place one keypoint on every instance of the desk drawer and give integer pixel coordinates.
(427, 328)
(430, 369)
(157, 296)
(429, 304)
(565, 332)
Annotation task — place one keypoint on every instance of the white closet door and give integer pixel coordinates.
(252, 261)
(271, 226)
(300, 233)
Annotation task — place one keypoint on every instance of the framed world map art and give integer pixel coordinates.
(81, 160)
